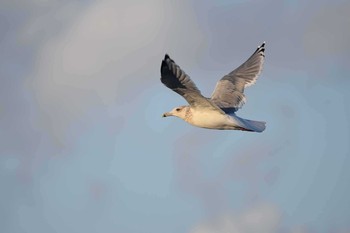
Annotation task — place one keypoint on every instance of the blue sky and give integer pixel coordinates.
(84, 148)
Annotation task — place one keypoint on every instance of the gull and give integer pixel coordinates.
(218, 111)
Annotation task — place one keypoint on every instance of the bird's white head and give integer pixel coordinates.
(180, 112)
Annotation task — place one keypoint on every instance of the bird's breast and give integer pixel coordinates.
(210, 119)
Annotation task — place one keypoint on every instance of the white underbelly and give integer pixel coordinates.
(212, 120)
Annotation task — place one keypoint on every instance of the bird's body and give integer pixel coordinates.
(217, 112)
(209, 119)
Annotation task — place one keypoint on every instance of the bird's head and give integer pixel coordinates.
(178, 112)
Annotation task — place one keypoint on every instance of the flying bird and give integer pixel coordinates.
(218, 111)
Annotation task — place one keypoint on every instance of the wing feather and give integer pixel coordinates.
(228, 93)
(177, 80)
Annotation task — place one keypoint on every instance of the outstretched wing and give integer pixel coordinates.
(228, 93)
(177, 80)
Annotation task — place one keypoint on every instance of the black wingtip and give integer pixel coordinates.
(261, 48)
(164, 63)
(167, 58)
(164, 66)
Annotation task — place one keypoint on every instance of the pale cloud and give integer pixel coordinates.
(262, 218)
(106, 55)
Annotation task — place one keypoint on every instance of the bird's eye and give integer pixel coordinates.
(178, 109)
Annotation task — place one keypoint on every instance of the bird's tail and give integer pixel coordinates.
(250, 125)
(256, 126)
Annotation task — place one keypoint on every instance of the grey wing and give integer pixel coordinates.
(228, 93)
(177, 80)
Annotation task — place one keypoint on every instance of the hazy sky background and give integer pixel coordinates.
(83, 147)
